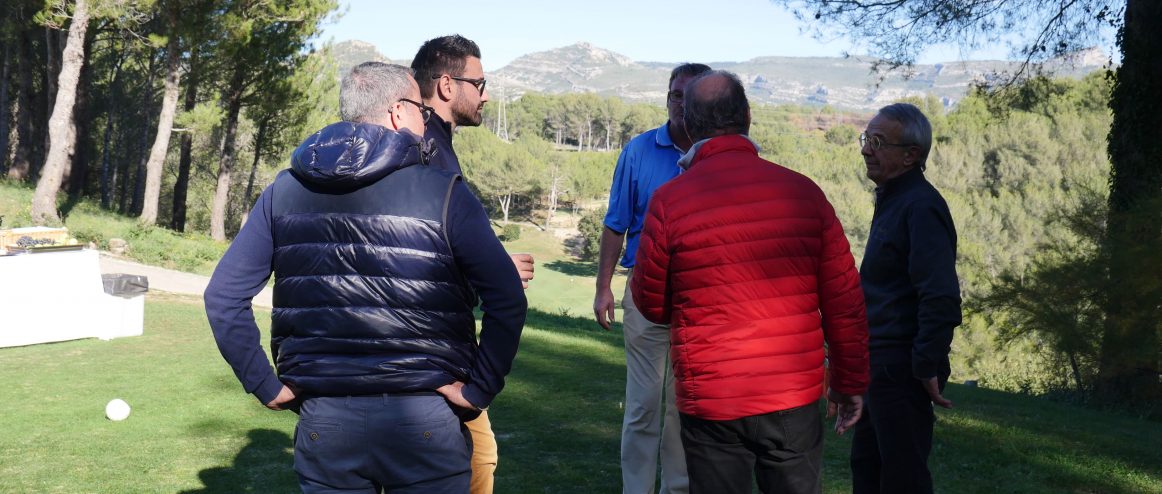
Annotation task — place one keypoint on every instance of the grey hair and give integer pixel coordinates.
(916, 128)
(716, 111)
(370, 89)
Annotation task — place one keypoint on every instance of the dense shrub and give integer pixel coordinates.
(510, 232)
(591, 225)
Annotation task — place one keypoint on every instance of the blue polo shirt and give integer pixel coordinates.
(647, 162)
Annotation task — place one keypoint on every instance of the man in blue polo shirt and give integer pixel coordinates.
(651, 425)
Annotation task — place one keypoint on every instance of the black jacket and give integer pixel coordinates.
(909, 277)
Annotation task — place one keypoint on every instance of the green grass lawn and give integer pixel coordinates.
(193, 429)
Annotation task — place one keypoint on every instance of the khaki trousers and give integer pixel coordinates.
(484, 454)
(651, 431)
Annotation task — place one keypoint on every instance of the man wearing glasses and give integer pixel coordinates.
(452, 85)
(913, 304)
(650, 431)
(379, 262)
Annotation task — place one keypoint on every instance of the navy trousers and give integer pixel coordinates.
(782, 451)
(893, 438)
(410, 443)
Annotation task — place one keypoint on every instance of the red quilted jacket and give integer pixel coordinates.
(748, 263)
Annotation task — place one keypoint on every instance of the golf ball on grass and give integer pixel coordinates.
(117, 410)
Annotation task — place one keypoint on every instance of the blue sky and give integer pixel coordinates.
(643, 30)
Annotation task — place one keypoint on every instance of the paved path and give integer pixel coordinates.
(169, 280)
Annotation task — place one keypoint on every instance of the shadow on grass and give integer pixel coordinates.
(1000, 442)
(568, 323)
(558, 420)
(573, 268)
(265, 464)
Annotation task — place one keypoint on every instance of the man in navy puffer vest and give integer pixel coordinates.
(379, 261)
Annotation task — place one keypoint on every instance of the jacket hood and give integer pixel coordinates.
(345, 156)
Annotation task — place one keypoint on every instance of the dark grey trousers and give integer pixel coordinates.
(384, 443)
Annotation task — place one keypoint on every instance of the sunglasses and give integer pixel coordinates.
(478, 83)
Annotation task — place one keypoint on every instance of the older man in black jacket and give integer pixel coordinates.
(913, 304)
(378, 260)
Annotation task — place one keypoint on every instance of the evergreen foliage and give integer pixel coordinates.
(1024, 168)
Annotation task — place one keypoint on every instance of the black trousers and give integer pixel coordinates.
(782, 450)
(893, 438)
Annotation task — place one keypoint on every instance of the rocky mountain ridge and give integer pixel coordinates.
(847, 83)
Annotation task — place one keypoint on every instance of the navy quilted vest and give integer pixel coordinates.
(367, 296)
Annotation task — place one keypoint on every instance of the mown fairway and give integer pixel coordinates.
(193, 429)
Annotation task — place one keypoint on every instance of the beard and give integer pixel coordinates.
(466, 114)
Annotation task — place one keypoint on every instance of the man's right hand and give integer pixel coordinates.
(603, 307)
(524, 267)
(285, 397)
(848, 407)
(454, 393)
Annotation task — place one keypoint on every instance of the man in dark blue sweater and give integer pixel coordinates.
(379, 260)
(913, 304)
(451, 79)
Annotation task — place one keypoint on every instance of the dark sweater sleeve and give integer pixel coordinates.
(932, 269)
(490, 270)
(240, 275)
(842, 307)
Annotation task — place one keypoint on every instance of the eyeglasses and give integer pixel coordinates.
(877, 143)
(425, 110)
(675, 96)
(478, 83)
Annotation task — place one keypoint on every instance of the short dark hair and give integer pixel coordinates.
(716, 111)
(916, 128)
(443, 55)
(687, 70)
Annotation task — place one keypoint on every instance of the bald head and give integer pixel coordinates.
(716, 105)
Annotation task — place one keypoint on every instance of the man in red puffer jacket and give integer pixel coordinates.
(749, 264)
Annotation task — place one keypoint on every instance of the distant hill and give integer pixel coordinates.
(845, 83)
(351, 53)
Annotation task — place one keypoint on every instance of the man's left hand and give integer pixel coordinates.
(932, 386)
(848, 407)
(524, 267)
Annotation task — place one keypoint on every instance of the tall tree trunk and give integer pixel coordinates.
(51, 72)
(554, 194)
(5, 109)
(121, 172)
(77, 175)
(182, 184)
(608, 133)
(169, 103)
(505, 202)
(226, 163)
(1130, 354)
(60, 127)
(143, 157)
(108, 172)
(259, 142)
(21, 168)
